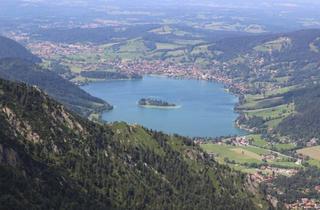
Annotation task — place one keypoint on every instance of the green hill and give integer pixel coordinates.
(50, 158)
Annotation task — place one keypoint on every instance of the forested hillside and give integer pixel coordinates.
(304, 124)
(62, 90)
(12, 49)
(60, 161)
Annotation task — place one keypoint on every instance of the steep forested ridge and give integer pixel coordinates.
(12, 49)
(50, 158)
(62, 90)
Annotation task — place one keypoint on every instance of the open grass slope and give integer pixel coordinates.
(246, 158)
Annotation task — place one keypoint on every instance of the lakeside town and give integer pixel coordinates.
(70, 55)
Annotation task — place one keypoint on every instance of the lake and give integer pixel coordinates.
(205, 108)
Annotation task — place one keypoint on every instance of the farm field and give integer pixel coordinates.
(258, 141)
(312, 152)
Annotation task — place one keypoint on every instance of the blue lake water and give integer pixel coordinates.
(206, 108)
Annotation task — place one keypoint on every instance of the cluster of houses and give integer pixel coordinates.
(268, 173)
(234, 141)
(304, 203)
(267, 169)
(312, 142)
(199, 141)
(47, 49)
(258, 177)
(240, 141)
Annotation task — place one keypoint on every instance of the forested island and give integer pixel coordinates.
(108, 75)
(155, 103)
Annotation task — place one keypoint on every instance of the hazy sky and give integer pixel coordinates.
(280, 12)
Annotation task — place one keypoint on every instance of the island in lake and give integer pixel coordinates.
(155, 103)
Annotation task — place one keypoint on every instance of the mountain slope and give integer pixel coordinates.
(12, 49)
(50, 158)
(304, 124)
(62, 90)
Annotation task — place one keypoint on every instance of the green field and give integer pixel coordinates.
(166, 30)
(262, 103)
(239, 157)
(258, 141)
(271, 106)
(166, 46)
(314, 162)
(288, 146)
(273, 112)
(237, 154)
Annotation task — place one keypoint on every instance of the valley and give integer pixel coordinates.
(264, 73)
